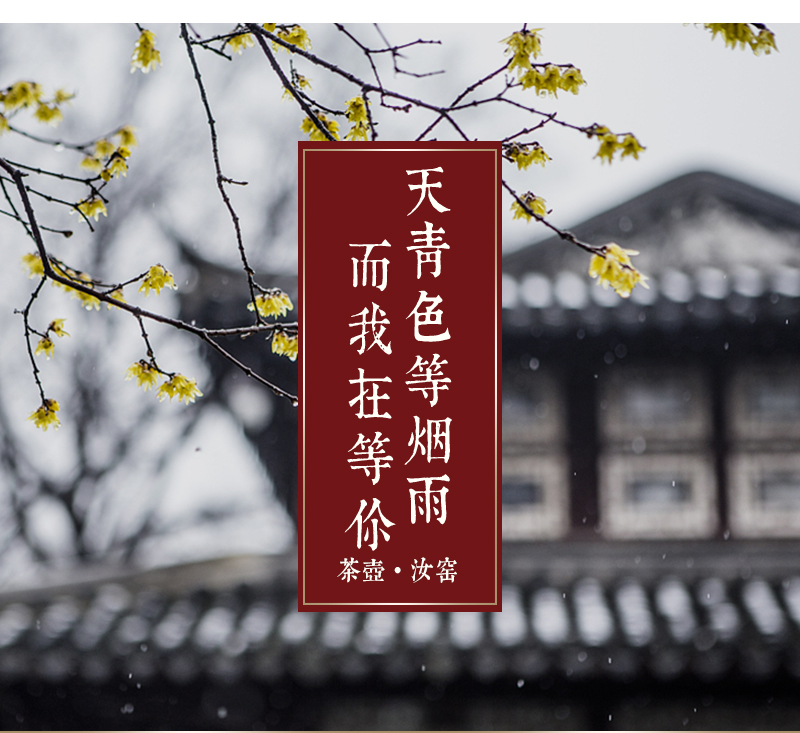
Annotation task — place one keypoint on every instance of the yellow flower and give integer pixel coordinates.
(56, 327)
(525, 155)
(359, 131)
(299, 81)
(613, 267)
(269, 27)
(146, 375)
(45, 416)
(608, 146)
(4, 126)
(272, 303)
(180, 387)
(21, 94)
(46, 347)
(521, 45)
(126, 136)
(118, 167)
(297, 36)
(157, 278)
(87, 301)
(116, 295)
(91, 163)
(535, 203)
(550, 80)
(124, 151)
(285, 345)
(571, 80)
(33, 264)
(49, 115)
(239, 43)
(62, 96)
(145, 55)
(356, 110)
(92, 208)
(764, 41)
(315, 133)
(103, 148)
(630, 146)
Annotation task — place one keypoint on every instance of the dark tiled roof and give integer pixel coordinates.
(616, 624)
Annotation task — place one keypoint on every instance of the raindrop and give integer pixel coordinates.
(582, 656)
(423, 667)
(126, 709)
(609, 660)
(608, 358)
(222, 712)
(726, 534)
(533, 364)
(138, 685)
(130, 675)
(520, 683)
(581, 334)
(143, 647)
(294, 403)
(727, 344)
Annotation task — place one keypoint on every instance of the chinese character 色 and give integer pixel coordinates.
(428, 317)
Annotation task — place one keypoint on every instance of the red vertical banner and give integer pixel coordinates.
(400, 442)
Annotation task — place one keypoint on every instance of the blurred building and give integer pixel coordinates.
(651, 486)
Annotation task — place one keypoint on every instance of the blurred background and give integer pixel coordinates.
(651, 446)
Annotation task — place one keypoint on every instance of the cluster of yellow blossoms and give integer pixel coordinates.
(526, 155)
(314, 133)
(743, 35)
(524, 45)
(356, 111)
(612, 266)
(294, 35)
(285, 345)
(550, 79)
(535, 203)
(46, 345)
(145, 55)
(108, 158)
(156, 279)
(26, 94)
(272, 303)
(237, 44)
(33, 264)
(610, 143)
(45, 417)
(147, 376)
